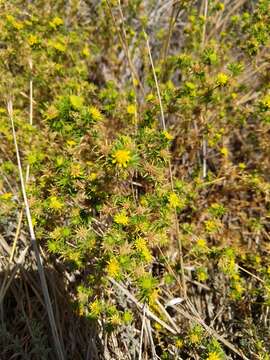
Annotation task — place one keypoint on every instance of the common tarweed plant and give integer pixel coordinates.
(113, 192)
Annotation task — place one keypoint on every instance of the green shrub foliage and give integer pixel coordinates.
(113, 193)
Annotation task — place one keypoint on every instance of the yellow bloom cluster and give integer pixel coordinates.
(76, 170)
(121, 157)
(213, 356)
(174, 200)
(57, 45)
(266, 101)
(57, 21)
(194, 338)
(141, 246)
(113, 268)
(95, 113)
(86, 52)
(202, 275)
(131, 109)
(13, 22)
(222, 79)
(121, 218)
(179, 343)
(95, 308)
(150, 97)
(32, 40)
(201, 243)
(6, 196)
(115, 320)
(224, 151)
(167, 135)
(55, 203)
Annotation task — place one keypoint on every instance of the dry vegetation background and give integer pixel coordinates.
(134, 179)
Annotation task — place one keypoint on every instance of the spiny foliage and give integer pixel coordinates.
(100, 192)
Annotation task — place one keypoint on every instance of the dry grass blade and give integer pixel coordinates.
(165, 312)
(124, 44)
(141, 306)
(28, 166)
(166, 43)
(149, 330)
(12, 253)
(163, 123)
(58, 346)
(4, 244)
(211, 332)
(11, 272)
(142, 331)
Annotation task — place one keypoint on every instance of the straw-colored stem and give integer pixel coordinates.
(58, 346)
(163, 125)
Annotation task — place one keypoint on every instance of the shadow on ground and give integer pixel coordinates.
(24, 327)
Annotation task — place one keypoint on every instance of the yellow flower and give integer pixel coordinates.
(221, 6)
(131, 109)
(6, 196)
(115, 319)
(86, 51)
(121, 157)
(57, 21)
(202, 275)
(121, 218)
(224, 151)
(95, 113)
(32, 40)
(222, 79)
(239, 289)
(150, 97)
(113, 268)
(93, 176)
(95, 308)
(141, 246)
(76, 170)
(179, 343)
(157, 326)
(153, 297)
(167, 135)
(201, 243)
(57, 45)
(194, 338)
(16, 24)
(71, 143)
(147, 255)
(10, 18)
(211, 226)
(174, 200)
(55, 203)
(242, 166)
(213, 356)
(266, 102)
(135, 82)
